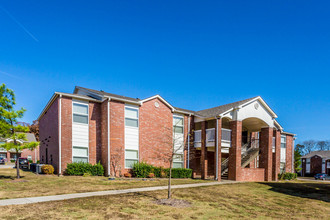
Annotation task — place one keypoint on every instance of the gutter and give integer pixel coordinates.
(108, 111)
(217, 150)
(60, 135)
(188, 157)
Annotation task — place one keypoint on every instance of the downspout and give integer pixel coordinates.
(293, 171)
(108, 111)
(216, 150)
(188, 156)
(60, 135)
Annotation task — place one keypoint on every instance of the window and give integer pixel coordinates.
(80, 113)
(131, 157)
(282, 167)
(283, 141)
(178, 124)
(29, 157)
(131, 117)
(178, 161)
(80, 154)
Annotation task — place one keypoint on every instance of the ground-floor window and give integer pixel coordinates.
(79, 154)
(282, 167)
(131, 157)
(178, 161)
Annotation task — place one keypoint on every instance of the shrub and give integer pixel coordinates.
(47, 169)
(86, 175)
(80, 168)
(287, 176)
(142, 170)
(151, 175)
(12, 161)
(30, 161)
(128, 175)
(38, 161)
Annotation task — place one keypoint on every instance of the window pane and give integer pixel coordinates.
(130, 154)
(177, 121)
(80, 119)
(178, 158)
(131, 122)
(78, 108)
(178, 129)
(177, 165)
(283, 139)
(130, 163)
(283, 145)
(80, 152)
(80, 159)
(131, 113)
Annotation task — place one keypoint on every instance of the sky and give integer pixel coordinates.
(195, 54)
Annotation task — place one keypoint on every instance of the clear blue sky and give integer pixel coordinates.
(196, 54)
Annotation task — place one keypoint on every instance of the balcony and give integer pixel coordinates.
(210, 137)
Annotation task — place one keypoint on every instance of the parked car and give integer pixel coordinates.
(2, 160)
(322, 176)
(23, 163)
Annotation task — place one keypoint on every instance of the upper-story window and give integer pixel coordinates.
(131, 117)
(283, 141)
(80, 113)
(178, 124)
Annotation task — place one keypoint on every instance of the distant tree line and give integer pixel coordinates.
(311, 145)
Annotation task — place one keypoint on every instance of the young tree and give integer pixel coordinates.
(9, 128)
(297, 157)
(116, 158)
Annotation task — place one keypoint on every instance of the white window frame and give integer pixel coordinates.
(78, 102)
(176, 125)
(132, 107)
(283, 136)
(136, 160)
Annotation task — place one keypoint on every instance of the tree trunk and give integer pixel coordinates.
(17, 165)
(169, 195)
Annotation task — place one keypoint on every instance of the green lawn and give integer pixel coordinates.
(282, 200)
(41, 185)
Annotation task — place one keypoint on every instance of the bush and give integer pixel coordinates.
(142, 170)
(12, 161)
(151, 175)
(30, 161)
(80, 168)
(287, 176)
(47, 169)
(128, 175)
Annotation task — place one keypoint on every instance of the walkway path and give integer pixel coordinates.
(30, 200)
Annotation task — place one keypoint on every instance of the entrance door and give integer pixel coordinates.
(244, 137)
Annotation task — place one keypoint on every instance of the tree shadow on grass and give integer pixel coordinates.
(316, 191)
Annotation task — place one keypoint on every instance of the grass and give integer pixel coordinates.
(31, 185)
(281, 200)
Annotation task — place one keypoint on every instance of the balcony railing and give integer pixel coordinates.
(210, 137)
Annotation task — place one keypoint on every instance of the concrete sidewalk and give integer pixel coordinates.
(30, 200)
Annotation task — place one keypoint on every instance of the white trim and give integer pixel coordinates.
(123, 100)
(188, 153)
(109, 143)
(159, 97)
(60, 135)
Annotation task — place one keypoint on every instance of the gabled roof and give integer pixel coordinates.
(323, 154)
(213, 112)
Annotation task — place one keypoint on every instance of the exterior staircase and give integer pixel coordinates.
(247, 157)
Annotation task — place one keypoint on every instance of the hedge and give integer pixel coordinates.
(142, 170)
(80, 168)
(287, 176)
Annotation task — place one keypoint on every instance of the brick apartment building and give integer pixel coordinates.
(238, 141)
(315, 162)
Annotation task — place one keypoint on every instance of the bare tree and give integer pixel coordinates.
(310, 145)
(321, 145)
(173, 148)
(116, 158)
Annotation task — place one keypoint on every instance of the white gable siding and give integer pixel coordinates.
(255, 110)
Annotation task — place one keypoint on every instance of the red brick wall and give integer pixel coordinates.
(104, 136)
(266, 154)
(252, 174)
(117, 136)
(289, 149)
(66, 131)
(316, 165)
(155, 132)
(34, 153)
(94, 132)
(234, 163)
(48, 135)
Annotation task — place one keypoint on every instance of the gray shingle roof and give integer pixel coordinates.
(213, 112)
(102, 93)
(323, 154)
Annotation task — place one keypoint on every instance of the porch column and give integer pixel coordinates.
(234, 164)
(217, 158)
(204, 151)
(265, 146)
(277, 155)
